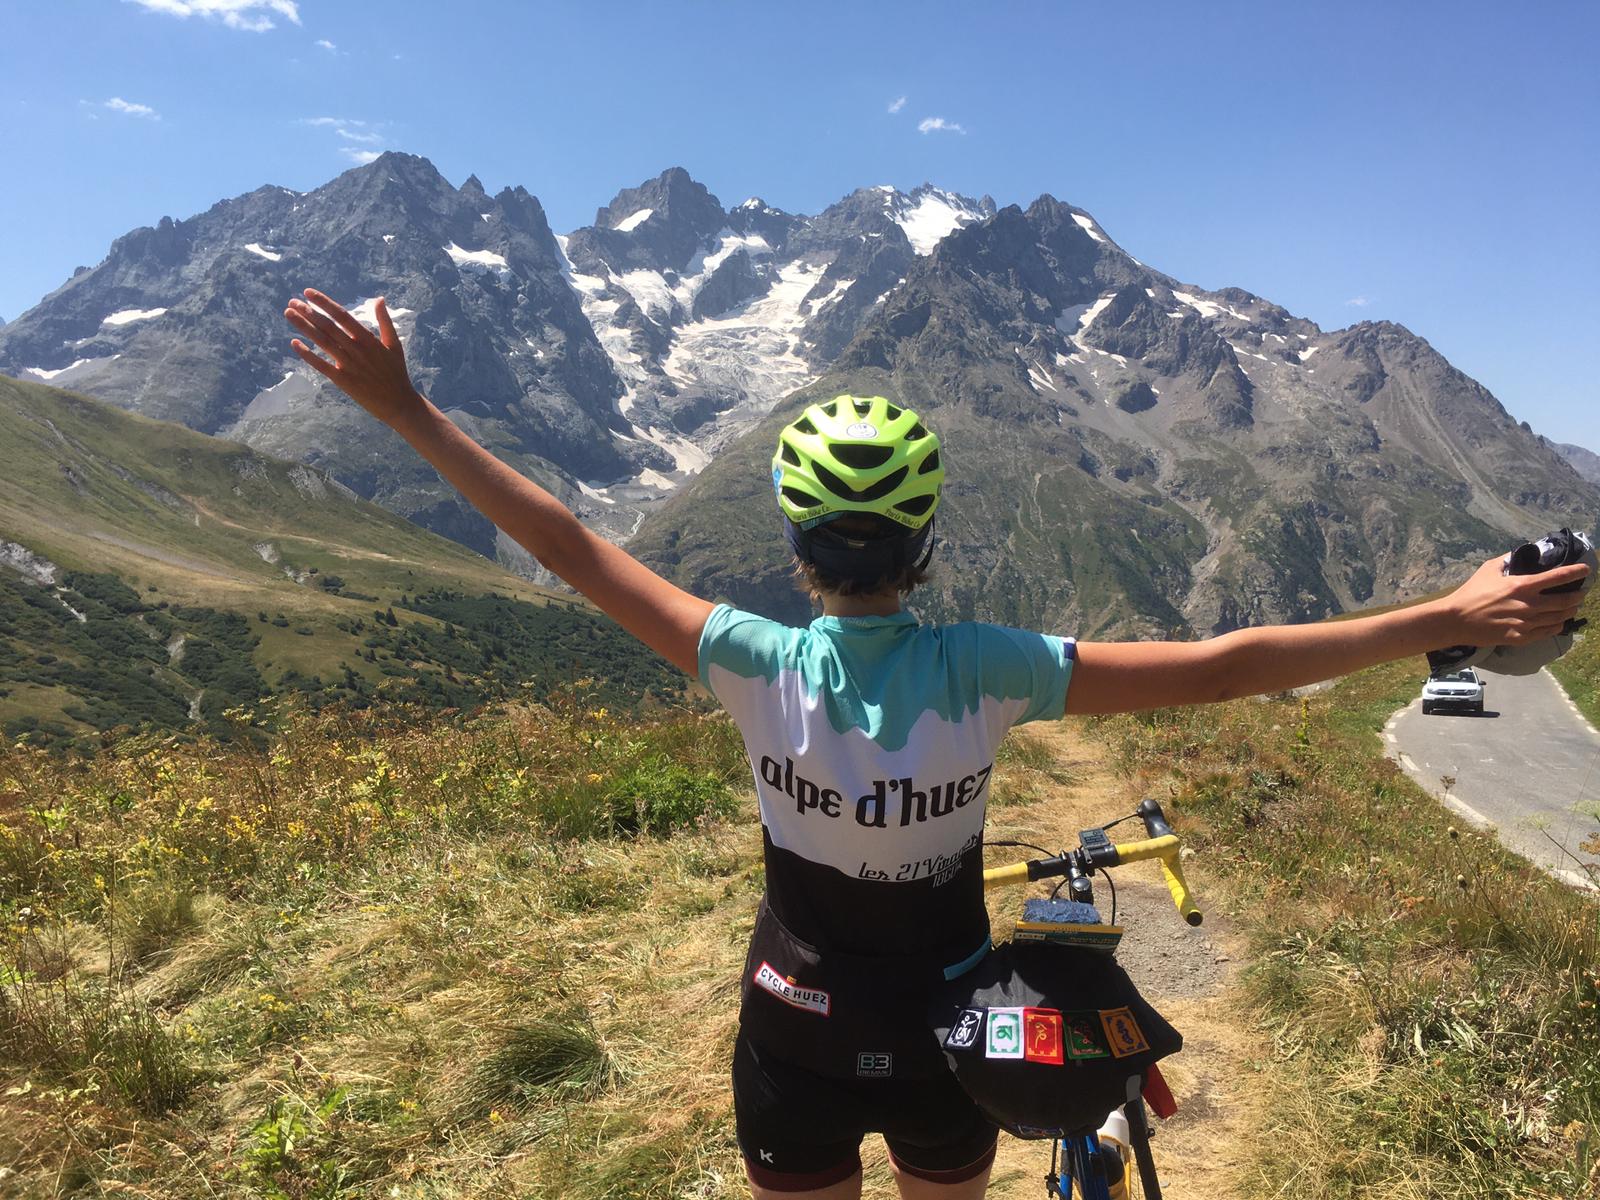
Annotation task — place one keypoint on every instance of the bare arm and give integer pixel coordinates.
(372, 371)
(1489, 609)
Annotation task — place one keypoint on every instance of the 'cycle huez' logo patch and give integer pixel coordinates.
(787, 990)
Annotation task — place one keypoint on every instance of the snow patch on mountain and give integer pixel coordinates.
(129, 315)
(366, 311)
(1088, 226)
(265, 252)
(1209, 309)
(485, 261)
(629, 224)
(45, 373)
(1076, 318)
(753, 347)
(930, 215)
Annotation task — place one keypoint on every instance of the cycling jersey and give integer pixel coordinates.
(872, 743)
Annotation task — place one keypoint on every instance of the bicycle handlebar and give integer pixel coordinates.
(1097, 851)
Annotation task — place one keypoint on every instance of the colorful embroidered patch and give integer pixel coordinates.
(1041, 1036)
(787, 990)
(1123, 1032)
(964, 1033)
(1004, 1033)
(1083, 1035)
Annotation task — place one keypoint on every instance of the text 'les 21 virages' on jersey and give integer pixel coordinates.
(872, 741)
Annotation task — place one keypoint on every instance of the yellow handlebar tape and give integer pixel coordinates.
(1172, 870)
(1000, 876)
(1161, 847)
(1164, 848)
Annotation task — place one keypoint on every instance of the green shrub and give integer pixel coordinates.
(660, 796)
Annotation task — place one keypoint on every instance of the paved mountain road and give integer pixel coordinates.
(1529, 767)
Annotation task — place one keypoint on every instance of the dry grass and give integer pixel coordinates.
(1430, 998)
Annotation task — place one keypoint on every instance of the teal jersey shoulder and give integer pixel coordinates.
(881, 675)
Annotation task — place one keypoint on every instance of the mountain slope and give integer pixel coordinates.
(184, 322)
(1584, 462)
(608, 364)
(1140, 453)
(128, 543)
(1131, 453)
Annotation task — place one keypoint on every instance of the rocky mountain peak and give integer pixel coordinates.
(673, 196)
(1585, 462)
(1213, 459)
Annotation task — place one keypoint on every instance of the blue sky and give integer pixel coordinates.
(1432, 164)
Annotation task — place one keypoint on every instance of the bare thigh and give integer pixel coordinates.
(845, 1189)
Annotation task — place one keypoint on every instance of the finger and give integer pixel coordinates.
(1545, 602)
(1557, 577)
(338, 314)
(332, 344)
(328, 330)
(386, 333)
(1540, 631)
(316, 360)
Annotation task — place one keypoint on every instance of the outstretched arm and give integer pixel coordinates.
(1489, 609)
(372, 371)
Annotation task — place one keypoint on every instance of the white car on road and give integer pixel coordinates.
(1453, 689)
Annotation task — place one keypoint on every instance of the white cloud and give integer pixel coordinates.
(118, 104)
(350, 131)
(325, 44)
(360, 139)
(251, 16)
(1358, 302)
(897, 104)
(938, 125)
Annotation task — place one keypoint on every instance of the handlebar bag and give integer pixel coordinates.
(1046, 1038)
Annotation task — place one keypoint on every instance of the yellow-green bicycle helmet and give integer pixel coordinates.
(857, 454)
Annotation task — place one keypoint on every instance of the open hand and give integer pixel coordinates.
(1496, 609)
(370, 369)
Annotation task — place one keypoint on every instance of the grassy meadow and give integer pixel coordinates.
(415, 955)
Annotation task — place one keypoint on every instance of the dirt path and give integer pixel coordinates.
(1188, 973)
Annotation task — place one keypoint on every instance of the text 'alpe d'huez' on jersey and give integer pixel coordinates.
(1128, 452)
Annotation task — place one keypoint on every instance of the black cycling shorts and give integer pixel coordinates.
(799, 1131)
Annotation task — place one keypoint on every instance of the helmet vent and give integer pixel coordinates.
(916, 433)
(915, 506)
(804, 425)
(863, 457)
(876, 492)
(863, 407)
(796, 496)
(831, 408)
(894, 412)
(787, 454)
(931, 463)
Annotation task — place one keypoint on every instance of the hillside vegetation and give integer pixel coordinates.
(1579, 669)
(153, 577)
(499, 958)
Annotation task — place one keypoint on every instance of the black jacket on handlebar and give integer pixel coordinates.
(1083, 1034)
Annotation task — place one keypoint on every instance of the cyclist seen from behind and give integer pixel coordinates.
(872, 737)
